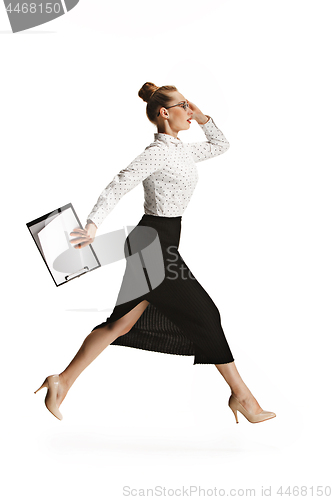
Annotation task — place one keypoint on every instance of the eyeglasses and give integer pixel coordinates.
(183, 104)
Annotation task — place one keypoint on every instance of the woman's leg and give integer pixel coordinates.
(238, 387)
(93, 345)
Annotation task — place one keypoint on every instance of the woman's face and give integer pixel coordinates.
(178, 116)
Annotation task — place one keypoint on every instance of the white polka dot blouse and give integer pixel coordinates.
(167, 169)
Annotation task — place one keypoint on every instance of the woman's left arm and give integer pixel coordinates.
(216, 143)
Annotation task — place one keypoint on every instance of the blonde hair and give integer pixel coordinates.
(155, 97)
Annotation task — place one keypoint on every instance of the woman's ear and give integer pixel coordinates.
(164, 113)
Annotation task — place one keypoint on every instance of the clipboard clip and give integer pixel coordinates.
(77, 274)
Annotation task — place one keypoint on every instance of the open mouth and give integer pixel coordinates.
(189, 121)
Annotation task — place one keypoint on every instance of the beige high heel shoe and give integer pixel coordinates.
(52, 384)
(235, 405)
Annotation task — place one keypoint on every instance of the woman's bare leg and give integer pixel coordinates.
(93, 345)
(238, 387)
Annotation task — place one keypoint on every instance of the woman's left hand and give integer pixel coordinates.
(84, 237)
(197, 113)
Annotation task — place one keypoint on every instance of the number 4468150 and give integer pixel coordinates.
(33, 8)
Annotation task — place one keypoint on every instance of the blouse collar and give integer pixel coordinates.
(168, 139)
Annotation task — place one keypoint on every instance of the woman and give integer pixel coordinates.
(176, 315)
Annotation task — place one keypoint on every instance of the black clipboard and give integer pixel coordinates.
(51, 235)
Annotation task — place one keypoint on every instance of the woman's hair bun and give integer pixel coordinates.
(147, 91)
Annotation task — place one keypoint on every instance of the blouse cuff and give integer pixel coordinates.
(209, 123)
(92, 219)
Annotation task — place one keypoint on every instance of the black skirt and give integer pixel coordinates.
(181, 318)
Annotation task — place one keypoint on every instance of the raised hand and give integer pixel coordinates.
(198, 115)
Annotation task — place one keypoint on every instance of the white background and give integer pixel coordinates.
(69, 97)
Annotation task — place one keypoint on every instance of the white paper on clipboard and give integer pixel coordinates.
(52, 236)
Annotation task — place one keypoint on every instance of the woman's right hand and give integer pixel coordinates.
(83, 237)
(198, 114)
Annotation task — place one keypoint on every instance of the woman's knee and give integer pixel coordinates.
(118, 328)
(124, 324)
(123, 329)
(128, 321)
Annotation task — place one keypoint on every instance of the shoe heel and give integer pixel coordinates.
(44, 384)
(235, 413)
